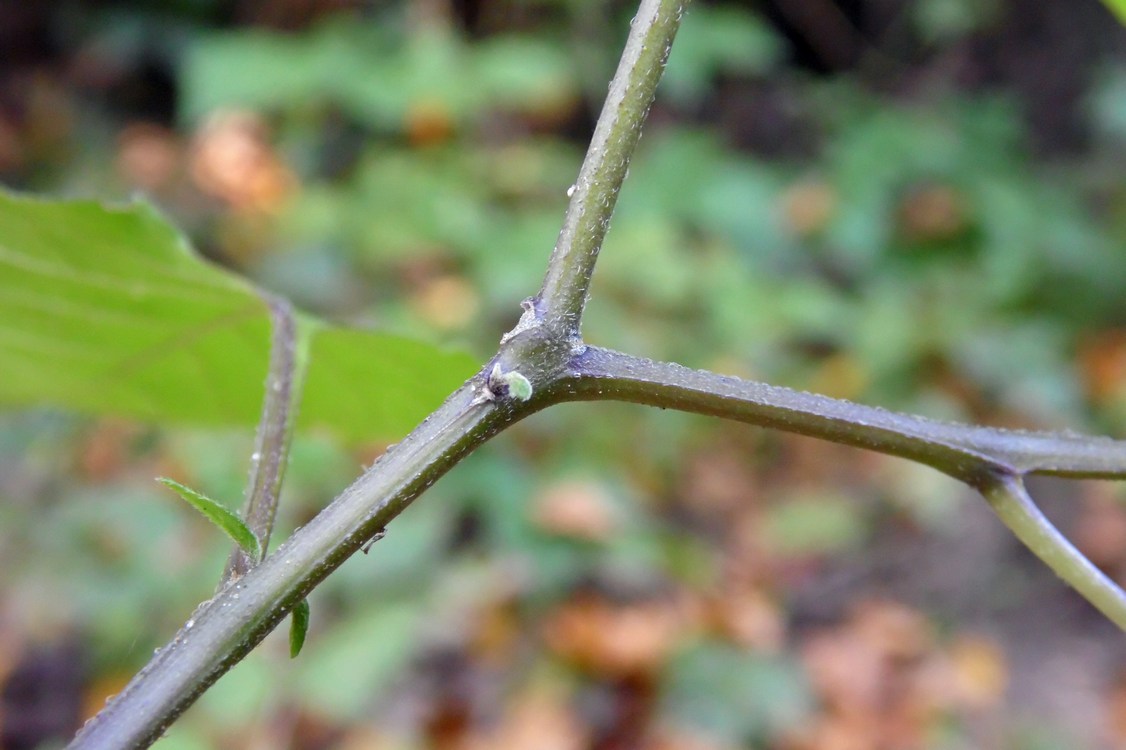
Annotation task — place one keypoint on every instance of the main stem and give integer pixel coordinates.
(226, 628)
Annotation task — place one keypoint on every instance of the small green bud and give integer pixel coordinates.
(500, 384)
(518, 385)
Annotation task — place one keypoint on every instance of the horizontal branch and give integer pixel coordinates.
(964, 452)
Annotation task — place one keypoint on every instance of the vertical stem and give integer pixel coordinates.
(565, 286)
(1009, 499)
(275, 429)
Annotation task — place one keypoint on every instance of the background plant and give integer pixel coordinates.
(846, 332)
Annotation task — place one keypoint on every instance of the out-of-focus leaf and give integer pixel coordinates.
(380, 77)
(946, 20)
(346, 668)
(1107, 102)
(714, 40)
(107, 310)
(227, 520)
(524, 73)
(244, 69)
(812, 525)
(734, 694)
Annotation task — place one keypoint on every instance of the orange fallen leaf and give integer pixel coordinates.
(808, 206)
(232, 159)
(981, 672)
(615, 640)
(578, 509)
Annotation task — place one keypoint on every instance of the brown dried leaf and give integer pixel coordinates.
(538, 719)
(578, 509)
(232, 159)
(981, 672)
(807, 206)
(1102, 360)
(447, 302)
(428, 123)
(749, 618)
(1100, 531)
(933, 213)
(148, 155)
(616, 640)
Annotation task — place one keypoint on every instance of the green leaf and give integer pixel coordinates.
(226, 519)
(813, 525)
(734, 694)
(1118, 8)
(107, 310)
(299, 625)
(714, 40)
(361, 657)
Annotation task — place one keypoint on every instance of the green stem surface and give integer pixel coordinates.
(1010, 501)
(227, 627)
(224, 629)
(275, 431)
(962, 451)
(565, 286)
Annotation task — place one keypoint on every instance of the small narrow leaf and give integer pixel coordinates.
(298, 627)
(220, 515)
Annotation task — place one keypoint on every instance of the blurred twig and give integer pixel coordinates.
(275, 430)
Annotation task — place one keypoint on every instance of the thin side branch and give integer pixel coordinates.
(595, 194)
(1009, 499)
(275, 430)
(990, 460)
(964, 452)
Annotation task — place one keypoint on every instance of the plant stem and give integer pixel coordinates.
(546, 350)
(632, 90)
(1009, 499)
(989, 460)
(227, 627)
(962, 451)
(275, 430)
(238, 617)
